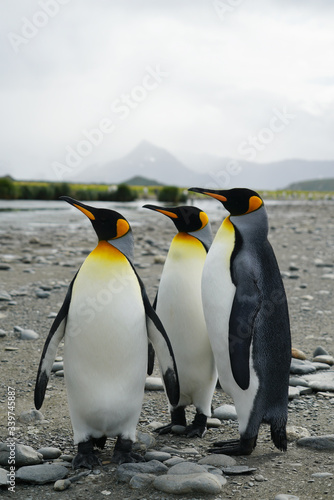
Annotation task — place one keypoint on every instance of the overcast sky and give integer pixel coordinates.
(247, 79)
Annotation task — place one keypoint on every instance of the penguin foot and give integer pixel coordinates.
(123, 452)
(100, 442)
(85, 456)
(234, 447)
(178, 417)
(198, 427)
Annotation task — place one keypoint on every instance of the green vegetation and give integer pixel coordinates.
(313, 185)
(171, 194)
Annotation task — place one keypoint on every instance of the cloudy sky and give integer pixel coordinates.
(233, 78)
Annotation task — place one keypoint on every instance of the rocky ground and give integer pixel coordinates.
(37, 262)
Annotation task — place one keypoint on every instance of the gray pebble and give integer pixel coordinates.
(324, 358)
(154, 384)
(282, 496)
(57, 366)
(157, 455)
(62, 484)
(187, 468)
(321, 381)
(26, 334)
(318, 442)
(319, 351)
(144, 441)
(49, 452)
(300, 367)
(213, 423)
(225, 412)
(42, 294)
(27, 417)
(217, 460)
(294, 432)
(59, 373)
(140, 481)
(4, 296)
(3, 333)
(173, 461)
(126, 471)
(178, 429)
(41, 474)
(5, 267)
(297, 381)
(24, 455)
(322, 475)
(321, 366)
(203, 483)
(3, 477)
(237, 470)
(294, 392)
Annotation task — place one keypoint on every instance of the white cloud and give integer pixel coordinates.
(225, 77)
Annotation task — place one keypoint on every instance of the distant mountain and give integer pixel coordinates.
(141, 181)
(152, 162)
(149, 161)
(313, 185)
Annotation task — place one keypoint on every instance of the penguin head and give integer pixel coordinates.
(109, 225)
(237, 201)
(188, 219)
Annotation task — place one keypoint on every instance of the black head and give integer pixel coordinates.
(238, 201)
(108, 224)
(186, 219)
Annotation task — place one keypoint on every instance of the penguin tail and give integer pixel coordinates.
(278, 434)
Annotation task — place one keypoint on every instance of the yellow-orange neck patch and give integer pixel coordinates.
(254, 203)
(122, 227)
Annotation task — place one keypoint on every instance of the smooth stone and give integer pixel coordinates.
(42, 294)
(155, 425)
(297, 381)
(60, 373)
(144, 441)
(294, 432)
(213, 470)
(41, 474)
(294, 392)
(303, 391)
(322, 474)
(225, 412)
(24, 455)
(319, 351)
(213, 423)
(324, 358)
(62, 485)
(126, 471)
(218, 460)
(154, 384)
(186, 468)
(178, 429)
(321, 381)
(49, 452)
(27, 417)
(5, 267)
(300, 367)
(57, 366)
(204, 483)
(321, 366)
(4, 296)
(157, 455)
(282, 496)
(3, 333)
(298, 354)
(237, 470)
(3, 477)
(28, 335)
(318, 442)
(173, 461)
(140, 481)
(17, 329)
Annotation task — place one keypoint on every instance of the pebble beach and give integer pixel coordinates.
(42, 247)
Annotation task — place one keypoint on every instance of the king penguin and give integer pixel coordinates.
(105, 320)
(179, 306)
(246, 313)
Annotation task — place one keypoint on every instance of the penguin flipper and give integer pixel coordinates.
(158, 337)
(151, 353)
(241, 328)
(56, 333)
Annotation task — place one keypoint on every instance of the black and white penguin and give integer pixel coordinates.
(105, 320)
(179, 306)
(247, 317)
